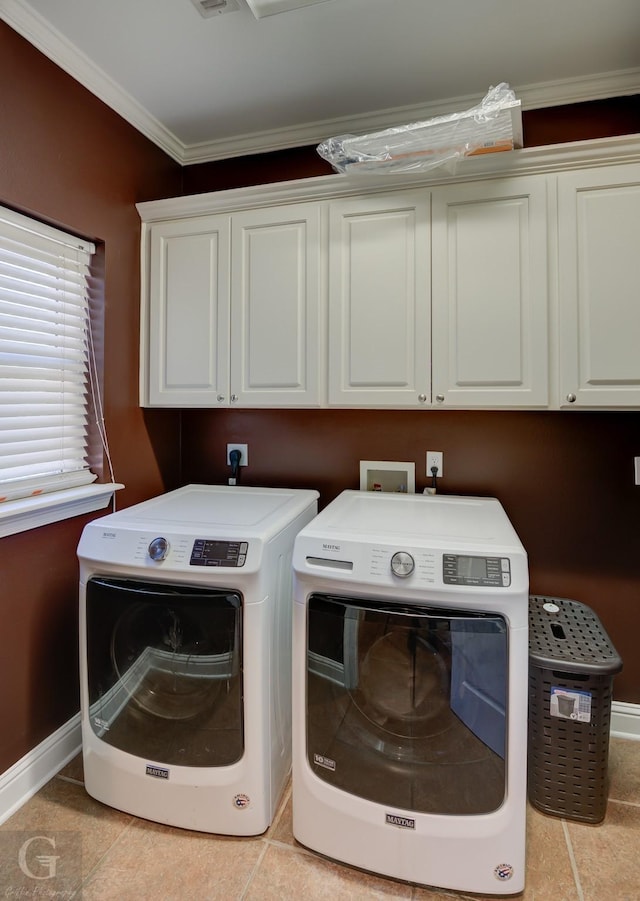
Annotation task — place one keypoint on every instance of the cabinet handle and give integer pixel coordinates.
(440, 398)
(220, 398)
(234, 398)
(571, 398)
(422, 398)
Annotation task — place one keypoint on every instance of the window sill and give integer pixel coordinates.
(31, 512)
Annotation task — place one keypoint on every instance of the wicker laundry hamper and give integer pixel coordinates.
(571, 667)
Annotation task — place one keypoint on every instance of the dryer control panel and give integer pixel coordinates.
(206, 552)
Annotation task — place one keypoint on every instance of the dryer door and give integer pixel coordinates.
(406, 706)
(164, 666)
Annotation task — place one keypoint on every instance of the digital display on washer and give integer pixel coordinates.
(461, 569)
(218, 553)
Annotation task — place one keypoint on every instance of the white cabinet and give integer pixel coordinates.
(440, 298)
(234, 315)
(490, 293)
(518, 291)
(276, 331)
(189, 312)
(599, 287)
(379, 306)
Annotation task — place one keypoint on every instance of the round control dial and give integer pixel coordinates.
(159, 548)
(402, 564)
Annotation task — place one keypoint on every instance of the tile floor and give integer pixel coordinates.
(121, 857)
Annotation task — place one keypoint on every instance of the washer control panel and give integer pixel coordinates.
(158, 548)
(402, 564)
(463, 569)
(206, 552)
(387, 564)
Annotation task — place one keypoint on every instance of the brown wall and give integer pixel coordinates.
(68, 159)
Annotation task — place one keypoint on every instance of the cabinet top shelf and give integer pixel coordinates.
(528, 161)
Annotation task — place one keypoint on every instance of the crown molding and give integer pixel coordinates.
(622, 83)
(57, 48)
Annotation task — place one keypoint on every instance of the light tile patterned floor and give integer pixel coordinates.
(130, 859)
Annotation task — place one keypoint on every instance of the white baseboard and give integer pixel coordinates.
(625, 720)
(28, 775)
(21, 781)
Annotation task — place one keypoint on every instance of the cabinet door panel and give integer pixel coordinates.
(490, 294)
(599, 274)
(379, 322)
(275, 328)
(189, 321)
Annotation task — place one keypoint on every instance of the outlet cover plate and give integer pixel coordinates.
(244, 452)
(435, 458)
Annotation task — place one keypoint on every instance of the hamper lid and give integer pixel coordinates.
(566, 635)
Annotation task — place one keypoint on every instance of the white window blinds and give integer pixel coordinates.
(44, 359)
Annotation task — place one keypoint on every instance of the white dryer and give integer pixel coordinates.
(410, 666)
(185, 663)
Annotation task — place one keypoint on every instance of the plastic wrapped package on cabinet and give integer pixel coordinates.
(493, 125)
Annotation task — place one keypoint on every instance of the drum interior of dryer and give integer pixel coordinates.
(406, 704)
(165, 665)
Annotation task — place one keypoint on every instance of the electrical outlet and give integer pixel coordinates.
(244, 453)
(434, 458)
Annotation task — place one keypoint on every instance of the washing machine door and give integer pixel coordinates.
(164, 667)
(406, 706)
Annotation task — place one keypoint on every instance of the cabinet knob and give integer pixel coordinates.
(220, 398)
(422, 398)
(571, 398)
(440, 398)
(234, 398)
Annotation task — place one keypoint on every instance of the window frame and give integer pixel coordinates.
(43, 506)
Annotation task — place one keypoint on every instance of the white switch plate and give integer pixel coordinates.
(244, 453)
(636, 464)
(434, 458)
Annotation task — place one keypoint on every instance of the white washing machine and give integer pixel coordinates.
(410, 661)
(185, 662)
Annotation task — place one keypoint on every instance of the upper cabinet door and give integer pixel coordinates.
(189, 312)
(599, 282)
(490, 294)
(379, 316)
(276, 332)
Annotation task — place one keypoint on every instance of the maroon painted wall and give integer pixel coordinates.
(68, 159)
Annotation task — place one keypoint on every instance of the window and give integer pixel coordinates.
(44, 360)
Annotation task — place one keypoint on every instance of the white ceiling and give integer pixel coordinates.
(209, 88)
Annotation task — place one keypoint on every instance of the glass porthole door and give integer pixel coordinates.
(406, 706)
(164, 670)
